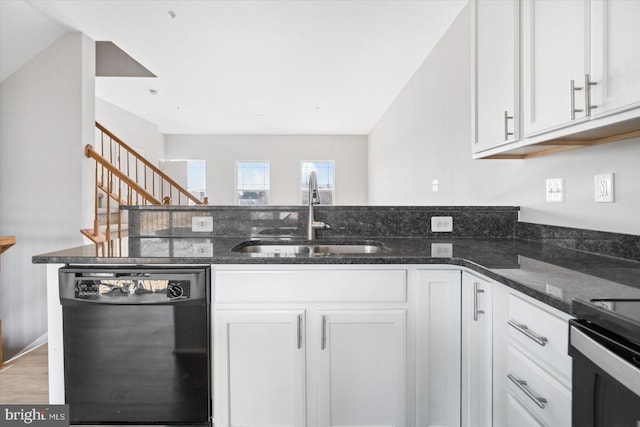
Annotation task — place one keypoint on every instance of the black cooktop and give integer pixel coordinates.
(620, 316)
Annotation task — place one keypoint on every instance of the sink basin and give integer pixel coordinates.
(308, 248)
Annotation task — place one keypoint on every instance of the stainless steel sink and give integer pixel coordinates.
(308, 248)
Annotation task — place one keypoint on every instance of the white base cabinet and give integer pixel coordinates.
(310, 347)
(361, 364)
(438, 348)
(392, 346)
(531, 366)
(261, 366)
(476, 351)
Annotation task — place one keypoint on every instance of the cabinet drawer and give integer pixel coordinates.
(535, 385)
(518, 416)
(310, 285)
(543, 335)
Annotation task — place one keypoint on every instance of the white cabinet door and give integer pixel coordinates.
(615, 61)
(260, 368)
(497, 111)
(361, 372)
(477, 354)
(555, 52)
(438, 348)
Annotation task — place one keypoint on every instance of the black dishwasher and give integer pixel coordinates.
(136, 345)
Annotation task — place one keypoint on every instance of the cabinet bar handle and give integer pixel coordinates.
(527, 332)
(507, 134)
(323, 339)
(299, 331)
(573, 87)
(476, 291)
(522, 385)
(587, 95)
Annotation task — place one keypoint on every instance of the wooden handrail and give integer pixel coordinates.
(91, 153)
(6, 242)
(150, 165)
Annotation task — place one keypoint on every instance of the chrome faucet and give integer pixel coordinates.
(314, 199)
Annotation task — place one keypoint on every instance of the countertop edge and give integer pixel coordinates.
(462, 262)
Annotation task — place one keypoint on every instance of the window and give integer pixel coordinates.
(326, 181)
(253, 183)
(197, 178)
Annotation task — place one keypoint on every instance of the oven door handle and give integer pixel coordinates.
(623, 372)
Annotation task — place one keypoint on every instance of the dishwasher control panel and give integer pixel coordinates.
(133, 286)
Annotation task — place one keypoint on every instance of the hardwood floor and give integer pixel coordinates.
(24, 380)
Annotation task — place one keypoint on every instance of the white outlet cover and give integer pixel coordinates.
(441, 224)
(202, 223)
(603, 185)
(442, 250)
(203, 249)
(554, 190)
(434, 185)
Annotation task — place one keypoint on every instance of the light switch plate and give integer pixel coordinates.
(555, 190)
(201, 223)
(603, 185)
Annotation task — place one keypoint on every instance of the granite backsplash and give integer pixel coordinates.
(344, 221)
(598, 242)
(369, 222)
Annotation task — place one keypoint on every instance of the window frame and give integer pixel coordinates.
(236, 189)
(303, 190)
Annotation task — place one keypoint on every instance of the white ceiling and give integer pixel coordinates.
(245, 67)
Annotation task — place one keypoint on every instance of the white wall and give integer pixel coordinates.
(142, 135)
(425, 135)
(284, 153)
(46, 118)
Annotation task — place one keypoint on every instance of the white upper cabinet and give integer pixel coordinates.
(555, 54)
(615, 59)
(567, 71)
(497, 113)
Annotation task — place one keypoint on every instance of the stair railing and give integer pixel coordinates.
(145, 173)
(127, 178)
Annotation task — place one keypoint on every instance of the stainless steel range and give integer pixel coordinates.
(604, 342)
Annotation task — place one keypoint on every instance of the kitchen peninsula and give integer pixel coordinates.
(428, 311)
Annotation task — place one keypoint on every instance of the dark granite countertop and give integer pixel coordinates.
(550, 274)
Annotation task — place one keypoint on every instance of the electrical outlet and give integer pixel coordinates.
(555, 190)
(202, 223)
(203, 249)
(604, 188)
(442, 250)
(435, 185)
(441, 224)
(554, 290)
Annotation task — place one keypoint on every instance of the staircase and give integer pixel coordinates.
(124, 177)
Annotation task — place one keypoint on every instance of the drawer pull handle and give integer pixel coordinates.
(299, 331)
(573, 89)
(587, 95)
(323, 339)
(527, 332)
(507, 117)
(522, 385)
(476, 291)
